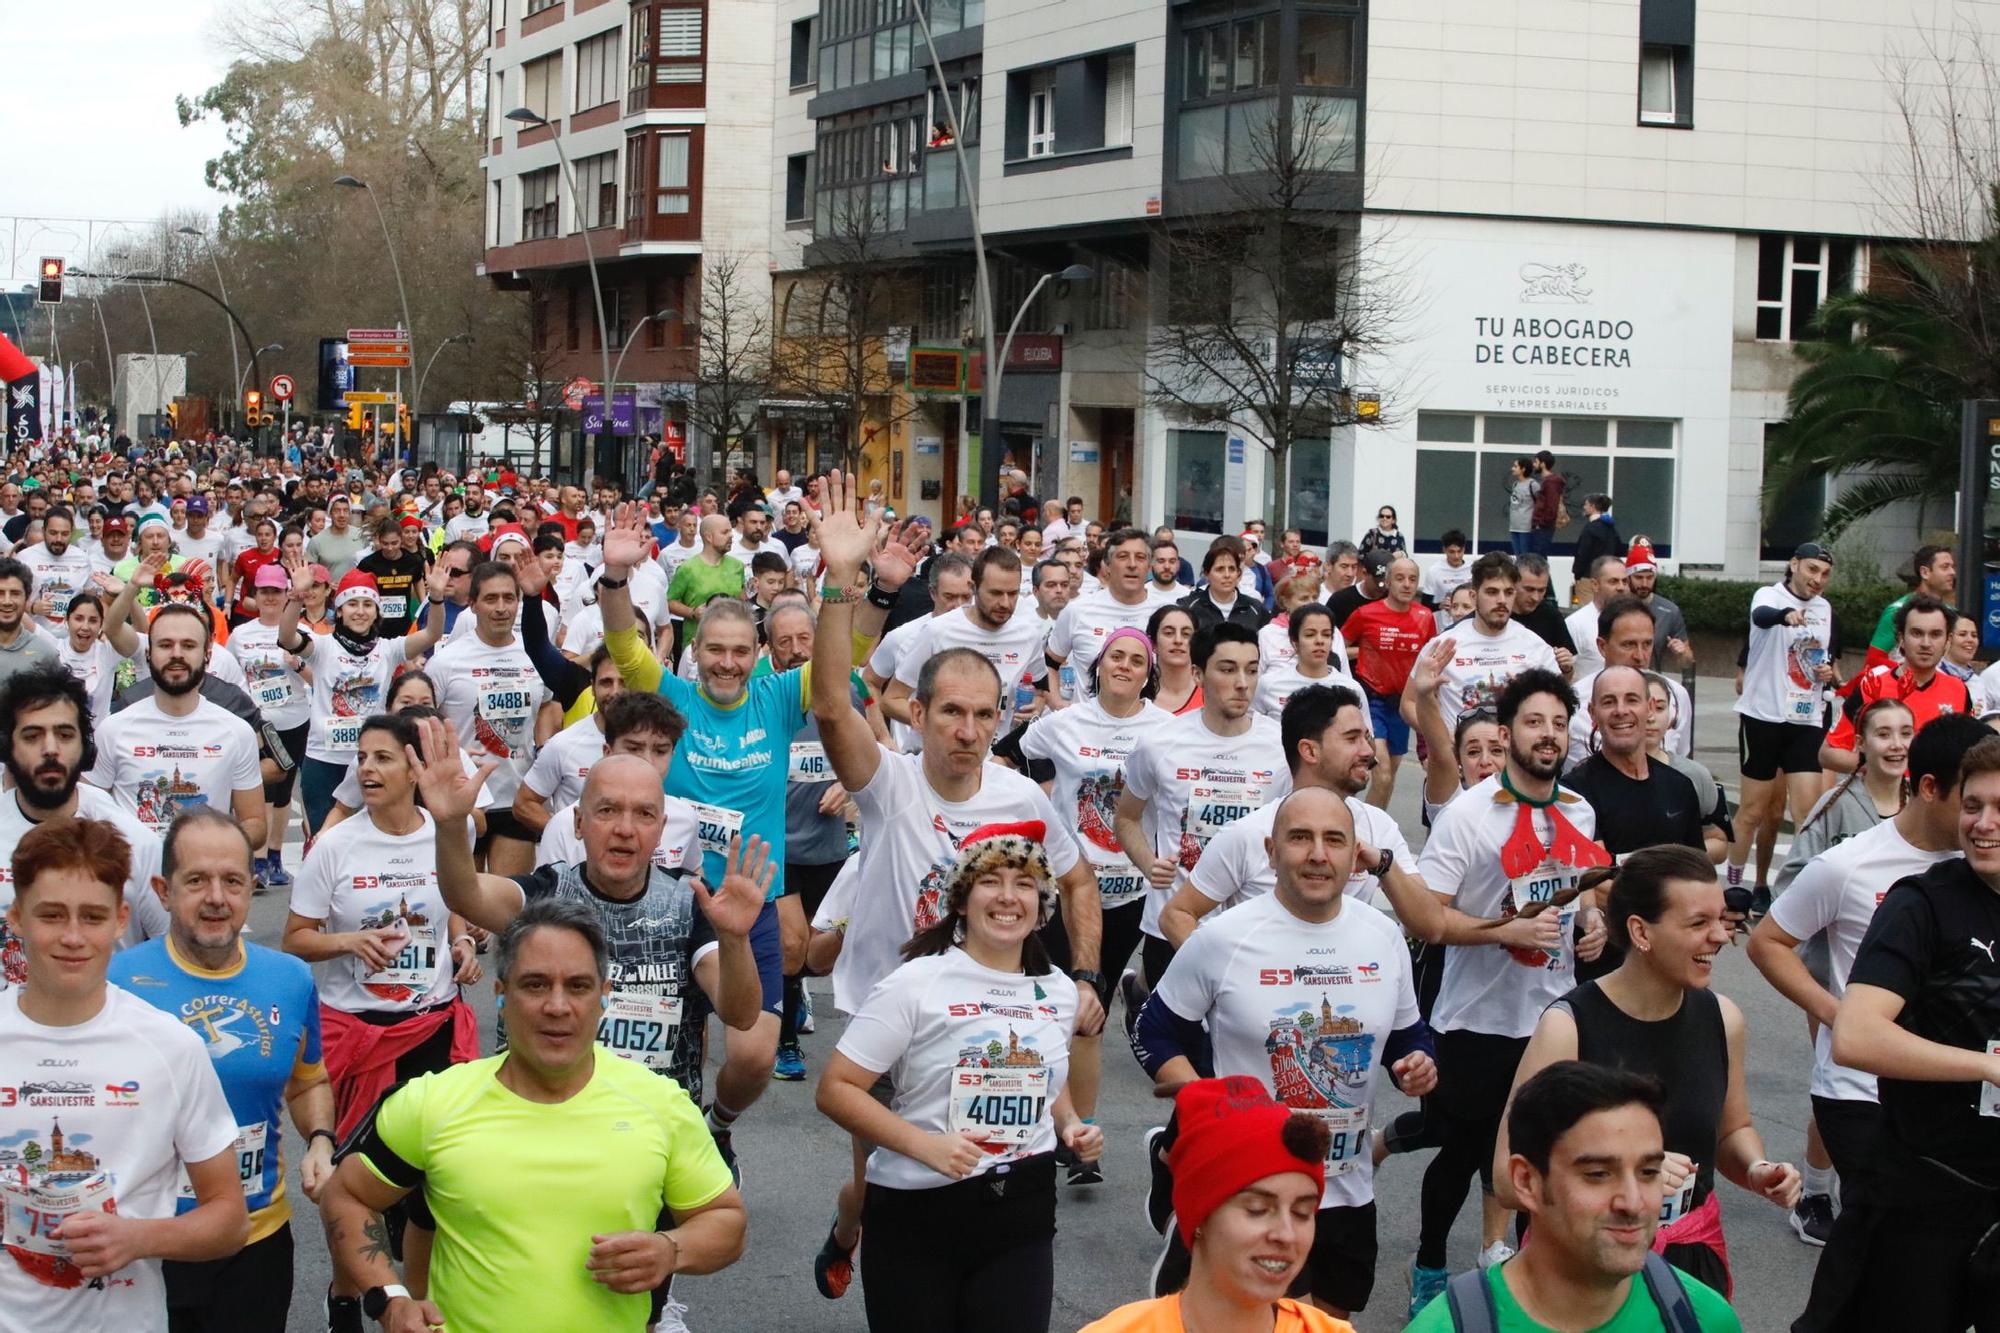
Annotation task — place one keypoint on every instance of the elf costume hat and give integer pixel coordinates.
(993, 846)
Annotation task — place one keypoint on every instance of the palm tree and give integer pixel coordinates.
(1884, 374)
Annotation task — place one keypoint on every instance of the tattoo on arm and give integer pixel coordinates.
(376, 1233)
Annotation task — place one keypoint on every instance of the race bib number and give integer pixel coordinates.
(1348, 1127)
(415, 966)
(1066, 681)
(1674, 1204)
(1540, 885)
(998, 1105)
(809, 763)
(1803, 697)
(343, 734)
(36, 1212)
(276, 692)
(392, 607)
(1215, 807)
(640, 1027)
(1989, 1095)
(1118, 885)
(506, 703)
(249, 1161)
(715, 826)
(59, 599)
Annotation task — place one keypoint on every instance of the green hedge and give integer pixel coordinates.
(1722, 606)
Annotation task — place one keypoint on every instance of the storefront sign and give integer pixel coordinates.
(1083, 451)
(929, 446)
(1035, 351)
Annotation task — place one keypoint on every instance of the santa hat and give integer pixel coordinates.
(507, 532)
(1640, 556)
(993, 846)
(356, 583)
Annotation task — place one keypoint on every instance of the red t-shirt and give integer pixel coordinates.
(1383, 643)
(1944, 694)
(247, 566)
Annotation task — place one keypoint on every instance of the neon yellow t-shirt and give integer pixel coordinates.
(518, 1188)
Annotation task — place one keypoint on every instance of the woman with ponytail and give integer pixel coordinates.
(1655, 1014)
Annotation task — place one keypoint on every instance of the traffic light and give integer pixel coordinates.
(403, 420)
(174, 413)
(253, 404)
(52, 278)
(354, 416)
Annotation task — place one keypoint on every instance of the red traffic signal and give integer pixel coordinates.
(52, 281)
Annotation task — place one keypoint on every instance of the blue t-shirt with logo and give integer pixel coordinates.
(732, 764)
(260, 1021)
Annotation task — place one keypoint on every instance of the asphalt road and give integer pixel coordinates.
(794, 1159)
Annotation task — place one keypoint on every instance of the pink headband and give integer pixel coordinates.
(1127, 632)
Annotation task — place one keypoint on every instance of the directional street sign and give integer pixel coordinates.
(369, 399)
(281, 388)
(384, 348)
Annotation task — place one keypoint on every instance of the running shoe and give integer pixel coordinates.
(673, 1318)
(1084, 1173)
(260, 867)
(1499, 1252)
(790, 1066)
(1170, 1270)
(275, 875)
(804, 1020)
(343, 1313)
(1760, 902)
(833, 1268)
(728, 1151)
(1812, 1218)
(1160, 1189)
(1426, 1285)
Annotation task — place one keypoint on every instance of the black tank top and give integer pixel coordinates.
(1688, 1053)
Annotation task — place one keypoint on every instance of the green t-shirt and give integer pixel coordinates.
(518, 1188)
(1637, 1315)
(1885, 625)
(697, 581)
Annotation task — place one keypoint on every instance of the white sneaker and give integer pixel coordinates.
(673, 1319)
(1499, 1252)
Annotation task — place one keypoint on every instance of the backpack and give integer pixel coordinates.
(1473, 1310)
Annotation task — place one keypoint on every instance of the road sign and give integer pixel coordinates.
(383, 360)
(370, 398)
(376, 336)
(281, 388)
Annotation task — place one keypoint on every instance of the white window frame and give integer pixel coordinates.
(1042, 113)
(1119, 82)
(674, 197)
(598, 61)
(1658, 60)
(542, 85)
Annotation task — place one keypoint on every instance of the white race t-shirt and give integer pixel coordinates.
(97, 669)
(347, 690)
(1088, 620)
(1303, 1008)
(157, 766)
(1088, 748)
(1838, 892)
(148, 918)
(1442, 579)
(279, 692)
(966, 1048)
(1196, 783)
(492, 696)
(100, 1116)
(559, 770)
(207, 547)
(909, 841)
(58, 577)
(1236, 867)
(1015, 650)
(679, 847)
(1487, 987)
(1482, 664)
(1274, 649)
(1778, 683)
(884, 662)
(356, 877)
(1276, 686)
(1582, 626)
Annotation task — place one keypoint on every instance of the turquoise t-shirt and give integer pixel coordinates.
(1638, 1315)
(732, 764)
(260, 1020)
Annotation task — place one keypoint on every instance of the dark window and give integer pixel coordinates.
(798, 187)
(1326, 51)
(540, 216)
(805, 51)
(1795, 276)
(1793, 514)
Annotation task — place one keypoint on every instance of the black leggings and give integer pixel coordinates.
(1464, 1114)
(1120, 939)
(975, 1256)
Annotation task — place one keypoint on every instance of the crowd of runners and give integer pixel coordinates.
(654, 761)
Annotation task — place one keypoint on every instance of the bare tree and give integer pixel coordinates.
(734, 326)
(833, 350)
(1273, 294)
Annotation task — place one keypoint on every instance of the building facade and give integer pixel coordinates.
(663, 108)
(1609, 223)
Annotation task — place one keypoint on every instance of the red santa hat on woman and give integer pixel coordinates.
(993, 847)
(356, 583)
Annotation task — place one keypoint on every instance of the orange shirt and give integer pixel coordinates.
(1164, 1316)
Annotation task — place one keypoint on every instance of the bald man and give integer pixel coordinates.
(708, 574)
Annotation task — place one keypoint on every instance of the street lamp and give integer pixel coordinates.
(417, 391)
(662, 315)
(990, 407)
(523, 116)
(152, 337)
(388, 241)
(236, 366)
(242, 380)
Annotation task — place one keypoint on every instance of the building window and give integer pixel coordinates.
(1194, 468)
(798, 187)
(541, 86)
(1326, 51)
(597, 61)
(1226, 58)
(537, 6)
(540, 211)
(679, 45)
(1792, 515)
(672, 195)
(1118, 85)
(1795, 276)
(1464, 463)
(1659, 85)
(805, 51)
(597, 189)
(1041, 113)
(639, 76)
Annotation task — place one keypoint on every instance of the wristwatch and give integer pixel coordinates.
(604, 582)
(1084, 976)
(375, 1300)
(1382, 866)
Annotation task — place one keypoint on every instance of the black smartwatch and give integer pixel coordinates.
(882, 598)
(613, 583)
(1382, 866)
(1084, 976)
(375, 1300)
